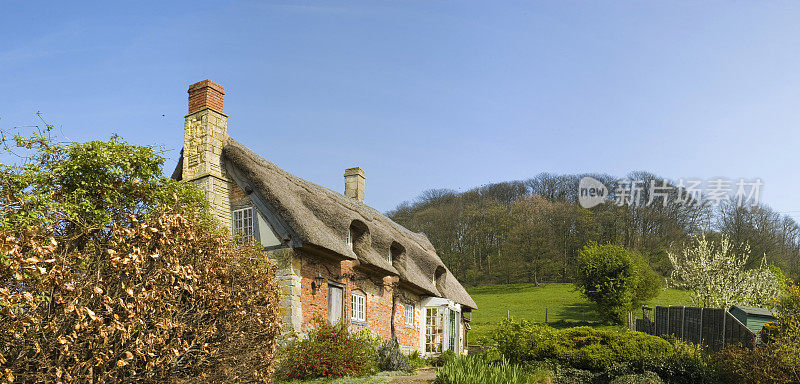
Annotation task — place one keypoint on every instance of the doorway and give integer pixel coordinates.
(335, 294)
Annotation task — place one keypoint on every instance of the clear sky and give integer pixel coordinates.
(429, 94)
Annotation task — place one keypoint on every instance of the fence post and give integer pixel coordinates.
(683, 323)
(724, 320)
(702, 342)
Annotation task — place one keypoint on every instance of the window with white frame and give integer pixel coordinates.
(243, 223)
(358, 310)
(434, 329)
(389, 256)
(409, 309)
(349, 239)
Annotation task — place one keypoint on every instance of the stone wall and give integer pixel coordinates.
(289, 280)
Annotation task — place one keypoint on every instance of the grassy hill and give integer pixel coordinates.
(565, 307)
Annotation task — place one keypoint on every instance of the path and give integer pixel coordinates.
(420, 376)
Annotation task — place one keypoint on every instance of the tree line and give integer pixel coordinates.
(532, 230)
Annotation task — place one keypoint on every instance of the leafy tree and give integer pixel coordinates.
(614, 279)
(110, 272)
(715, 274)
(787, 328)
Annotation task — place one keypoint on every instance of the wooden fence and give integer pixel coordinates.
(712, 328)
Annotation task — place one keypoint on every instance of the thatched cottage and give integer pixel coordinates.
(340, 260)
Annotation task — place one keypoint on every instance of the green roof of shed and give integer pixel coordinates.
(753, 311)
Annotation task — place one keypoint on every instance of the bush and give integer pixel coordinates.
(615, 279)
(637, 378)
(522, 340)
(328, 351)
(569, 375)
(686, 364)
(476, 370)
(112, 273)
(445, 357)
(391, 359)
(580, 347)
(760, 365)
(785, 331)
(588, 348)
(416, 360)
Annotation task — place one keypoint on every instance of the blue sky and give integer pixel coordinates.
(429, 94)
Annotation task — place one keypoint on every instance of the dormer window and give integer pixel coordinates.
(358, 239)
(396, 252)
(243, 223)
(438, 279)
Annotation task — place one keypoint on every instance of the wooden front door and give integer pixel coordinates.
(334, 304)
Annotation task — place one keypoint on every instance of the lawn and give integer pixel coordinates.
(565, 307)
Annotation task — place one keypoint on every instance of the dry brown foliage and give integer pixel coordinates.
(161, 301)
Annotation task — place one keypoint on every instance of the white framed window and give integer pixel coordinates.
(349, 239)
(409, 309)
(243, 223)
(358, 310)
(434, 330)
(389, 256)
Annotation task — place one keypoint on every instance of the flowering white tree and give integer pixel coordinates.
(716, 277)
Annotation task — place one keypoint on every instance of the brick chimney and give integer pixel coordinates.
(204, 134)
(205, 94)
(354, 183)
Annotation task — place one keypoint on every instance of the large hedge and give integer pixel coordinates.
(110, 272)
(580, 347)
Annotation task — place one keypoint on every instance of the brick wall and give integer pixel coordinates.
(378, 299)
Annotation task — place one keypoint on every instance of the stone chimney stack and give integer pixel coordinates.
(354, 183)
(204, 134)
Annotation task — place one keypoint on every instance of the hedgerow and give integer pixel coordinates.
(580, 347)
(109, 272)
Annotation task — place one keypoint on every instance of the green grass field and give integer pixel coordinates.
(564, 305)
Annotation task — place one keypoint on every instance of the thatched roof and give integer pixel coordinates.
(321, 218)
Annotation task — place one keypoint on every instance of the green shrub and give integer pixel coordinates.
(416, 360)
(569, 375)
(637, 378)
(329, 351)
(442, 359)
(615, 280)
(522, 340)
(580, 347)
(760, 365)
(588, 348)
(477, 370)
(687, 364)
